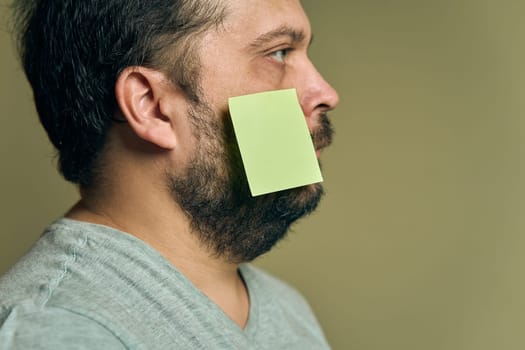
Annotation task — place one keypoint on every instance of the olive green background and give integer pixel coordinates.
(419, 242)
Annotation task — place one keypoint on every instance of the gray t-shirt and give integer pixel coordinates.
(86, 286)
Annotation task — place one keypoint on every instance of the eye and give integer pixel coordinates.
(280, 55)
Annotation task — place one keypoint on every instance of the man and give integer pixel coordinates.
(134, 96)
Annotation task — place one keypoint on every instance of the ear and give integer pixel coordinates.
(144, 97)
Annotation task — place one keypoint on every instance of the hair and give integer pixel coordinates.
(73, 52)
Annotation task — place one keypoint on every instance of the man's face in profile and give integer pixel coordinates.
(261, 46)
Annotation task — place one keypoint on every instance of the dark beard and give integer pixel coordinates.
(214, 193)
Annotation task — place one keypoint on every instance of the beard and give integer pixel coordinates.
(214, 192)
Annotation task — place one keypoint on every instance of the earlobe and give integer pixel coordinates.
(140, 93)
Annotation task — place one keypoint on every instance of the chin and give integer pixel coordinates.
(310, 192)
(303, 200)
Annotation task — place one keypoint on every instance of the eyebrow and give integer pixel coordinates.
(296, 36)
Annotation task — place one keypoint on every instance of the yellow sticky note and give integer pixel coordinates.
(275, 144)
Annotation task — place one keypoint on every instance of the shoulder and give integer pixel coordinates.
(71, 259)
(44, 266)
(29, 326)
(50, 299)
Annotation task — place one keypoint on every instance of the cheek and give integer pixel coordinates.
(236, 80)
(260, 75)
(267, 75)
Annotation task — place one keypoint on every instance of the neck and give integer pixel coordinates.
(156, 219)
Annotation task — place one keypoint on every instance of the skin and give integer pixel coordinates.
(261, 46)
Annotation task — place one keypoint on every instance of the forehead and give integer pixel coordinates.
(247, 19)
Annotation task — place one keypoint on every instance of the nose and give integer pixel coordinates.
(315, 93)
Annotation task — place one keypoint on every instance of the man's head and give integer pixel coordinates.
(171, 91)
(74, 51)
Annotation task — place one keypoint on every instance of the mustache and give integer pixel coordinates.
(323, 135)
